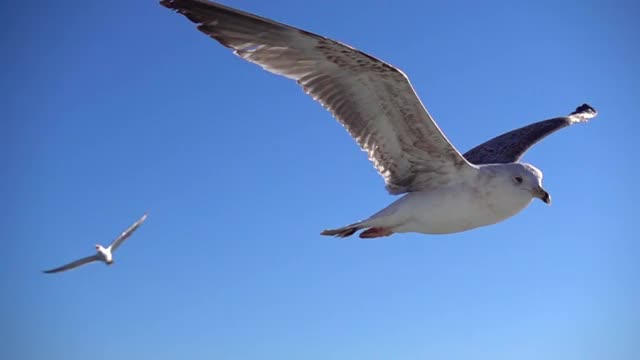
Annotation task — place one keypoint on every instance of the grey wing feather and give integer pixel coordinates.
(73, 264)
(373, 100)
(125, 234)
(511, 146)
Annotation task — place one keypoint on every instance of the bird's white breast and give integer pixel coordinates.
(458, 208)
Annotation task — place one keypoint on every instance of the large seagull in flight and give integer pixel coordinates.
(444, 191)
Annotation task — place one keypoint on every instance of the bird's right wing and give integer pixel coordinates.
(125, 234)
(511, 146)
(373, 100)
(73, 264)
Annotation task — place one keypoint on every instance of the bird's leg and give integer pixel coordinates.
(375, 232)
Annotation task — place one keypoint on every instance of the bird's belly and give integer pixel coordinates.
(456, 210)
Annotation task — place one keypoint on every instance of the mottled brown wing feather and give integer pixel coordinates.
(373, 100)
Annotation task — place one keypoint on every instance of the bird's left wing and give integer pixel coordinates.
(511, 146)
(125, 234)
(73, 264)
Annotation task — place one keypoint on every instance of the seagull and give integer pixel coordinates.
(443, 191)
(103, 254)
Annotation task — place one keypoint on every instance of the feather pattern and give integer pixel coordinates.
(373, 100)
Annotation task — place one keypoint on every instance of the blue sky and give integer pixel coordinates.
(115, 109)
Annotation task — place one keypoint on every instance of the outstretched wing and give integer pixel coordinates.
(125, 234)
(511, 146)
(373, 100)
(73, 264)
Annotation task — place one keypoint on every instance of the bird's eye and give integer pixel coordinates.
(518, 179)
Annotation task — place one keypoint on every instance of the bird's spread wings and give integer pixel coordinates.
(74, 264)
(511, 146)
(373, 100)
(125, 234)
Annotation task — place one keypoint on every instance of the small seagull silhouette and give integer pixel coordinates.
(103, 254)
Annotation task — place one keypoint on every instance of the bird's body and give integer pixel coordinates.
(103, 254)
(444, 191)
(459, 208)
(486, 197)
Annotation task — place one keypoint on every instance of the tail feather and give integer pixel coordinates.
(342, 232)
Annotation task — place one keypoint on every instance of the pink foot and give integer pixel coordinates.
(375, 232)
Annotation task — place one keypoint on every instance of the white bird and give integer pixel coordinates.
(445, 192)
(103, 254)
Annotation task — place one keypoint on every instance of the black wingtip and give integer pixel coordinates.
(182, 5)
(167, 3)
(585, 110)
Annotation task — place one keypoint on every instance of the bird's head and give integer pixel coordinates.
(529, 178)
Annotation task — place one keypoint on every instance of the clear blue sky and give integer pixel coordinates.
(111, 109)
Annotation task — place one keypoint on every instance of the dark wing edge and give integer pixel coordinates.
(125, 234)
(511, 146)
(200, 12)
(73, 264)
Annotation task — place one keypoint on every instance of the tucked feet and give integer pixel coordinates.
(370, 233)
(375, 232)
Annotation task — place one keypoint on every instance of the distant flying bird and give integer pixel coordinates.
(103, 254)
(445, 192)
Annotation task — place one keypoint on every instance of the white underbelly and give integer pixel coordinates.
(454, 210)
